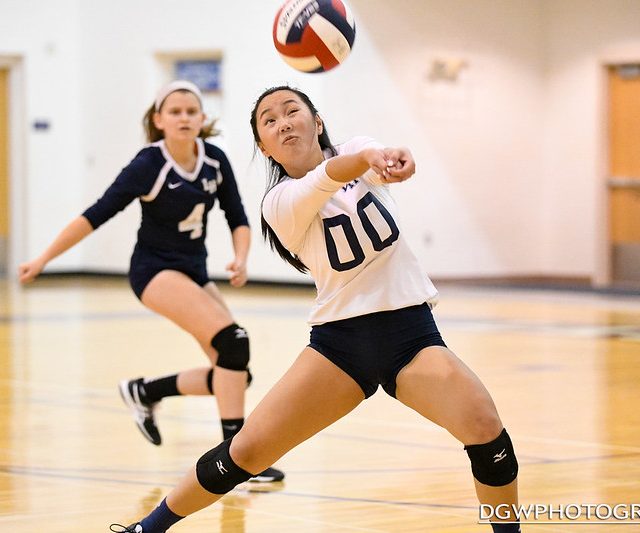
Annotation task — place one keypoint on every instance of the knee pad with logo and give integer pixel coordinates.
(494, 463)
(216, 471)
(232, 345)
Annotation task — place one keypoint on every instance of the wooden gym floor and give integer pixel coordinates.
(563, 368)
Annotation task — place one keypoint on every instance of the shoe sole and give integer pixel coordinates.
(264, 479)
(123, 388)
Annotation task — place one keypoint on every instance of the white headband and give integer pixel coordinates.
(176, 85)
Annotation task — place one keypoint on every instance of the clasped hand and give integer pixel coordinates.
(392, 164)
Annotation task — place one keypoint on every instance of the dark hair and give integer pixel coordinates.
(153, 134)
(276, 172)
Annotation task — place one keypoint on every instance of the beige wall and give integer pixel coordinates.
(508, 155)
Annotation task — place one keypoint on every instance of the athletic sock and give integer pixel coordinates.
(156, 389)
(505, 528)
(231, 426)
(160, 519)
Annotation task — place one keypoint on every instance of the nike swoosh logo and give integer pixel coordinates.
(175, 185)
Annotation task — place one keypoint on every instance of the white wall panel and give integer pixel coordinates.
(509, 155)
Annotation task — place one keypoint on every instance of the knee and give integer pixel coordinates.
(217, 472)
(246, 452)
(484, 426)
(232, 345)
(494, 463)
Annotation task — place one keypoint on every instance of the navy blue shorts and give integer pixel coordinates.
(147, 262)
(373, 348)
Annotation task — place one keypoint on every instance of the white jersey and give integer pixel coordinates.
(348, 236)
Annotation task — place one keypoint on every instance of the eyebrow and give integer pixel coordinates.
(289, 101)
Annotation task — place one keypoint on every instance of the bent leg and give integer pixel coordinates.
(443, 389)
(195, 381)
(310, 396)
(202, 313)
(193, 308)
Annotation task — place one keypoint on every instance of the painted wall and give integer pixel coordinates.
(50, 186)
(471, 211)
(581, 37)
(509, 156)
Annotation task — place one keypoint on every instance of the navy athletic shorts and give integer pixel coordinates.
(147, 262)
(373, 348)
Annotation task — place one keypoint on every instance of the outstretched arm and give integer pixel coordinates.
(291, 207)
(392, 164)
(77, 230)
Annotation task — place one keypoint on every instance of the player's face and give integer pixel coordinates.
(180, 117)
(288, 132)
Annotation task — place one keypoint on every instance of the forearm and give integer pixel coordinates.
(241, 238)
(346, 168)
(71, 235)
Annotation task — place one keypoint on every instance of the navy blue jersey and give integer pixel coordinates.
(175, 203)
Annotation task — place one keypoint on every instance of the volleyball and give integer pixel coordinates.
(314, 35)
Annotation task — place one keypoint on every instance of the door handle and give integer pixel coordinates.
(624, 182)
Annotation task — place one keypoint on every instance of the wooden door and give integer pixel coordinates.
(624, 168)
(4, 168)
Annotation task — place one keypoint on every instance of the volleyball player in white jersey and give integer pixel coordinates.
(178, 178)
(329, 211)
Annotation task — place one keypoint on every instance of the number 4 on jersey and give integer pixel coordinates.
(193, 222)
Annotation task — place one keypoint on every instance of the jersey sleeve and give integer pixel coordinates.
(134, 180)
(229, 196)
(290, 206)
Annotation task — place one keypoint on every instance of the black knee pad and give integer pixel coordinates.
(216, 471)
(494, 463)
(210, 379)
(232, 345)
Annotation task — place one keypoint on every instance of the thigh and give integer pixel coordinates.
(439, 386)
(212, 290)
(177, 297)
(310, 396)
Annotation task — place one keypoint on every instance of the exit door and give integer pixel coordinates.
(624, 172)
(4, 169)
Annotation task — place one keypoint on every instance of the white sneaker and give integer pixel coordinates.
(142, 412)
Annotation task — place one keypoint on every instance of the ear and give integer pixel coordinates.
(157, 121)
(319, 125)
(263, 150)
